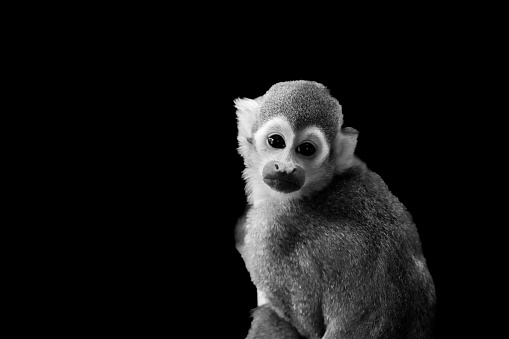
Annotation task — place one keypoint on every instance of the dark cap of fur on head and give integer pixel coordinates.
(304, 103)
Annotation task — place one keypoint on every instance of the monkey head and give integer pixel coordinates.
(291, 140)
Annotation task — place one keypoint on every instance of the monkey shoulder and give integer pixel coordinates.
(361, 196)
(358, 211)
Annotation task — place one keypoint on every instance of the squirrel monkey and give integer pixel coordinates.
(332, 252)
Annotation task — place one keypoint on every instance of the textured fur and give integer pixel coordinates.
(267, 324)
(296, 99)
(342, 263)
(342, 260)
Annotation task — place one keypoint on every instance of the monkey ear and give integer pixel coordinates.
(248, 111)
(344, 145)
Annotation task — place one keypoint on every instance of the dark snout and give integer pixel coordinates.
(282, 177)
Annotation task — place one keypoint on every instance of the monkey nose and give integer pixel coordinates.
(281, 168)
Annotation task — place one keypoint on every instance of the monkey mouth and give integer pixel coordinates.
(282, 185)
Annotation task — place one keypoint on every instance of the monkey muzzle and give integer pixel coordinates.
(283, 178)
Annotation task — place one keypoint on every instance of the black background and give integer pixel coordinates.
(164, 152)
(130, 115)
(187, 167)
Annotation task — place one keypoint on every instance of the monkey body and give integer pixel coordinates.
(352, 267)
(332, 252)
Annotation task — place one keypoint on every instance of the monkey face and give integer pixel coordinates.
(291, 141)
(291, 160)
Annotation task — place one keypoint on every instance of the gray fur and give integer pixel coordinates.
(304, 103)
(339, 264)
(344, 261)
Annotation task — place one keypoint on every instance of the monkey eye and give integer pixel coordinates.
(276, 141)
(306, 149)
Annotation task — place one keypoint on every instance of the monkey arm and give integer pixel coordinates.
(268, 325)
(240, 230)
(332, 331)
(262, 298)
